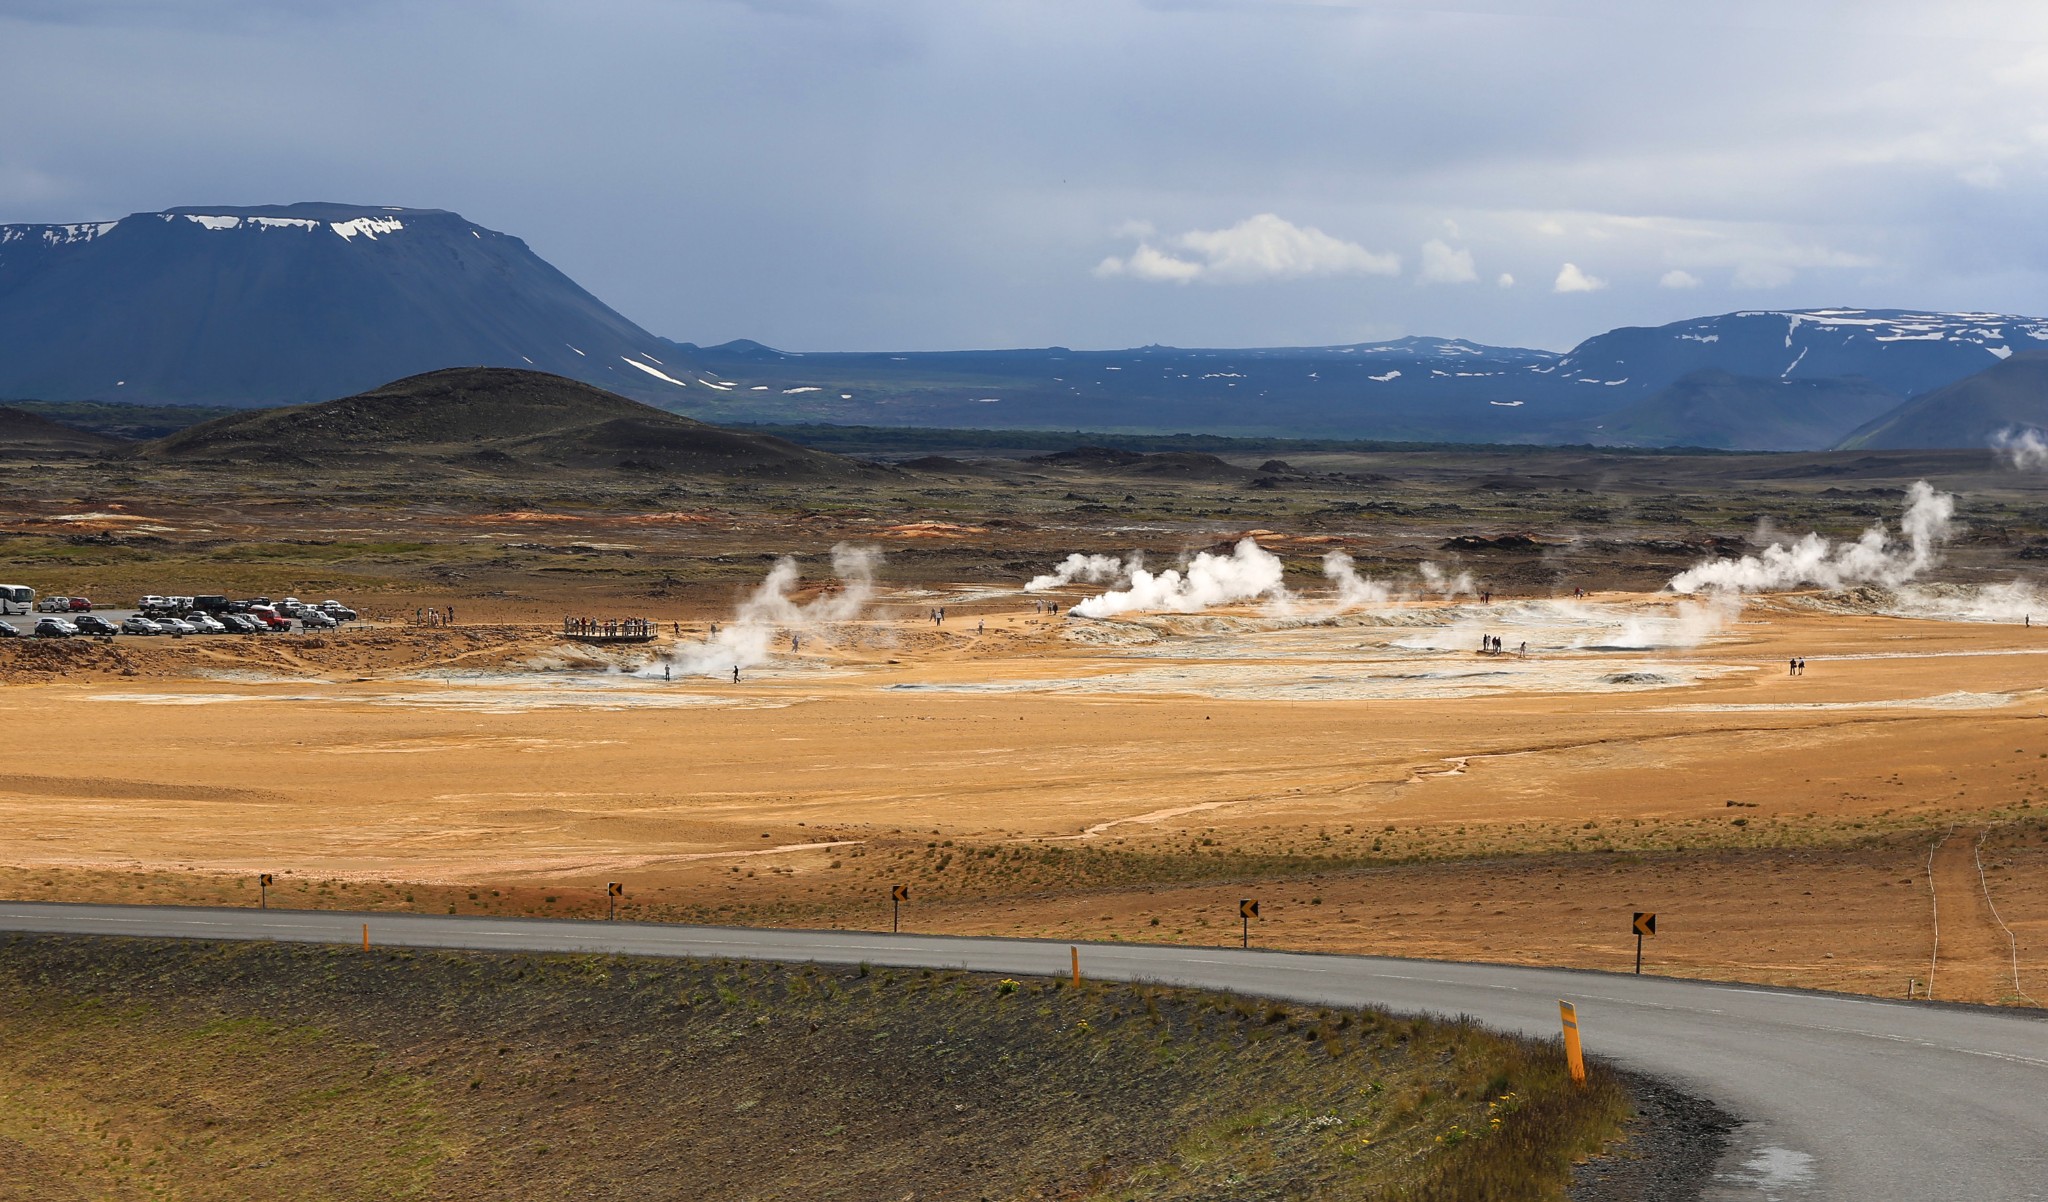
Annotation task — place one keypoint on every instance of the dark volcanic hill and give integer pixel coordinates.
(1967, 413)
(282, 304)
(29, 434)
(496, 420)
(1713, 408)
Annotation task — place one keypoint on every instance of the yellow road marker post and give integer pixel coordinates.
(366, 936)
(1077, 966)
(1574, 1058)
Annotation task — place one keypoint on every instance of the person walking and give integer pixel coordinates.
(735, 673)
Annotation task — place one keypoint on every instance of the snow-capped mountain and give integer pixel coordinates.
(287, 303)
(1902, 351)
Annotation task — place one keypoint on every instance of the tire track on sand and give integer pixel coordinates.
(1973, 960)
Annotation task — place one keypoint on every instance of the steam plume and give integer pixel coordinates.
(1449, 587)
(2021, 448)
(1874, 558)
(1249, 571)
(768, 613)
(1093, 569)
(1688, 624)
(1353, 590)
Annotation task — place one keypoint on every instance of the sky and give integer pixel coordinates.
(944, 174)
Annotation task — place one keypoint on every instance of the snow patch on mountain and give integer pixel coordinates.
(656, 372)
(367, 227)
(56, 235)
(363, 227)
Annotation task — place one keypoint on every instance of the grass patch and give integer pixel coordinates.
(226, 1071)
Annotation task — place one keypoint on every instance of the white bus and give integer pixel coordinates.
(16, 598)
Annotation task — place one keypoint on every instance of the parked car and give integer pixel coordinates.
(152, 603)
(176, 626)
(336, 610)
(140, 625)
(204, 623)
(95, 624)
(54, 628)
(214, 604)
(241, 624)
(8, 631)
(313, 619)
(54, 605)
(271, 619)
(81, 605)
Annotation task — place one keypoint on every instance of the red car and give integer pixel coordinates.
(81, 605)
(270, 617)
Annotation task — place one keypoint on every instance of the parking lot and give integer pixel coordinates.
(26, 623)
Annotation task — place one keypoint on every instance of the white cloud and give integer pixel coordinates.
(1985, 175)
(1441, 264)
(1571, 279)
(1678, 278)
(1265, 247)
(1505, 280)
(1762, 275)
(1149, 263)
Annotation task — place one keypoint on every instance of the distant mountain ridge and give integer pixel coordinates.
(1904, 351)
(1804, 378)
(276, 304)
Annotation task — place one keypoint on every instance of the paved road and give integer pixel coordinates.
(1844, 1098)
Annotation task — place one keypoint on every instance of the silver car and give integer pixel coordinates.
(203, 623)
(140, 625)
(176, 626)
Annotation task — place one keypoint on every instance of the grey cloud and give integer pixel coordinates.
(825, 174)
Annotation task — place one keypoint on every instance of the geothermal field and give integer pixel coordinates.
(1799, 725)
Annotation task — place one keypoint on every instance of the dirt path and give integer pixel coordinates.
(1974, 958)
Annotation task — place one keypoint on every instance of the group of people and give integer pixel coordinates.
(429, 616)
(1491, 644)
(1795, 667)
(938, 616)
(1047, 607)
(614, 628)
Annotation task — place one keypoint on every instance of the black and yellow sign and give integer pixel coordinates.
(899, 893)
(615, 889)
(1646, 922)
(1247, 908)
(265, 880)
